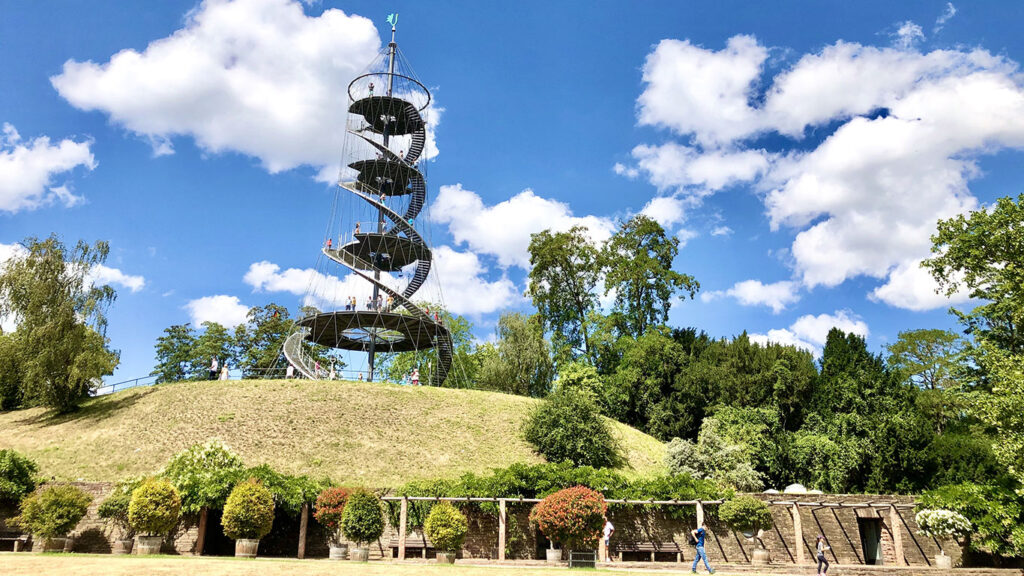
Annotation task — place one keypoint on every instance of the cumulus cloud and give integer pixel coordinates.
(464, 288)
(503, 230)
(225, 310)
(721, 231)
(258, 77)
(103, 274)
(810, 332)
(907, 129)
(665, 210)
(776, 296)
(913, 288)
(28, 170)
(907, 35)
(946, 15)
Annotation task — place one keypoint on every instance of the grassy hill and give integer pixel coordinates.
(372, 434)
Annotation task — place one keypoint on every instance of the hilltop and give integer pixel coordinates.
(372, 434)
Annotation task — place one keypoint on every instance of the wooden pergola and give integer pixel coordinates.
(794, 505)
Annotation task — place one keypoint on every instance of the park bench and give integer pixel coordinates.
(652, 548)
(419, 543)
(19, 540)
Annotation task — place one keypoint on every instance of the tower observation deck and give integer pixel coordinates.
(386, 253)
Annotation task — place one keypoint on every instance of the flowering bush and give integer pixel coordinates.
(53, 512)
(329, 506)
(249, 511)
(204, 475)
(572, 517)
(155, 508)
(446, 527)
(942, 524)
(363, 520)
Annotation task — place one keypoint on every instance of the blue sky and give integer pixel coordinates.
(802, 151)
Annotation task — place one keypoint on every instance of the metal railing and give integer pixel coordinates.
(236, 374)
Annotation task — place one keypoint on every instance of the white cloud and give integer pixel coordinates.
(464, 288)
(103, 274)
(946, 15)
(28, 169)
(810, 332)
(320, 290)
(721, 231)
(907, 35)
(503, 230)
(665, 210)
(913, 288)
(685, 235)
(776, 296)
(627, 171)
(225, 310)
(253, 76)
(674, 166)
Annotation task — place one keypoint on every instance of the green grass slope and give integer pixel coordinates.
(371, 434)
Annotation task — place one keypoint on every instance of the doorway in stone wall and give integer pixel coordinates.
(871, 539)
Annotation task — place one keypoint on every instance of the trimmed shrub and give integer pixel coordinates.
(572, 517)
(115, 508)
(745, 513)
(290, 492)
(446, 527)
(329, 507)
(942, 524)
(154, 508)
(53, 512)
(203, 475)
(567, 425)
(363, 520)
(249, 511)
(17, 476)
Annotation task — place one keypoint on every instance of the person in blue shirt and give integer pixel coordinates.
(698, 536)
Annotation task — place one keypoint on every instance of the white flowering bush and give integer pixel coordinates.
(942, 524)
(204, 475)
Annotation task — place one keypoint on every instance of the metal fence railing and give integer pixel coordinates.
(236, 374)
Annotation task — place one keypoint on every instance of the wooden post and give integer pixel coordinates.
(403, 518)
(201, 536)
(798, 534)
(303, 526)
(897, 534)
(700, 514)
(501, 529)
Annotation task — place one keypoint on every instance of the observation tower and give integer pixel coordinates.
(373, 230)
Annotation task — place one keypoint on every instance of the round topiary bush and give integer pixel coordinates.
(446, 527)
(154, 508)
(115, 510)
(572, 517)
(17, 476)
(53, 512)
(363, 520)
(567, 425)
(249, 511)
(746, 514)
(329, 506)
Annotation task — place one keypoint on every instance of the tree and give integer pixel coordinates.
(522, 364)
(564, 271)
(213, 342)
(568, 426)
(984, 252)
(260, 340)
(11, 385)
(714, 457)
(927, 358)
(61, 318)
(463, 373)
(1003, 407)
(637, 261)
(175, 352)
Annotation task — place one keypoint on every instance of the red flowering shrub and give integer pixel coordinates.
(329, 506)
(572, 517)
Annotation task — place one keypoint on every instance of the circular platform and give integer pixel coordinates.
(386, 176)
(387, 251)
(389, 331)
(395, 115)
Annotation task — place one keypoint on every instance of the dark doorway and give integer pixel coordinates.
(871, 539)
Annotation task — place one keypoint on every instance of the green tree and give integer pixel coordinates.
(637, 261)
(213, 342)
(522, 364)
(175, 352)
(1003, 407)
(61, 318)
(984, 252)
(261, 339)
(564, 270)
(928, 358)
(11, 386)
(714, 457)
(568, 426)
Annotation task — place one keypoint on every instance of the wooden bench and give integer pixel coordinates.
(653, 548)
(20, 540)
(412, 542)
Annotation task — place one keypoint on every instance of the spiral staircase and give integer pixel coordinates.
(395, 245)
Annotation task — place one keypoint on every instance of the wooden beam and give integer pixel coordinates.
(201, 536)
(798, 534)
(897, 535)
(501, 529)
(403, 518)
(700, 514)
(303, 527)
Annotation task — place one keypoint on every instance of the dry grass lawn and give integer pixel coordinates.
(370, 434)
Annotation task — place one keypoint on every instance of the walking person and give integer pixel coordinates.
(214, 369)
(415, 376)
(822, 547)
(609, 529)
(224, 371)
(289, 372)
(698, 536)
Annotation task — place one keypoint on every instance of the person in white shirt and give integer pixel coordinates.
(609, 529)
(289, 372)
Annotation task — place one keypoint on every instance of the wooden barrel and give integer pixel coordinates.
(246, 547)
(149, 544)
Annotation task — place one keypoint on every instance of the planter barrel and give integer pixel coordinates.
(338, 551)
(553, 555)
(54, 544)
(149, 544)
(122, 547)
(760, 557)
(582, 559)
(359, 554)
(446, 557)
(246, 547)
(69, 544)
(944, 562)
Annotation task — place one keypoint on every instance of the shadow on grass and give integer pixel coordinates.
(91, 409)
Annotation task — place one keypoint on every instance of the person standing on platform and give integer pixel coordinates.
(609, 529)
(415, 376)
(289, 372)
(224, 371)
(698, 536)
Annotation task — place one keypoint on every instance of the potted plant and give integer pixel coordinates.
(362, 522)
(52, 513)
(153, 512)
(942, 525)
(572, 518)
(328, 509)
(248, 516)
(115, 511)
(751, 517)
(446, 527)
